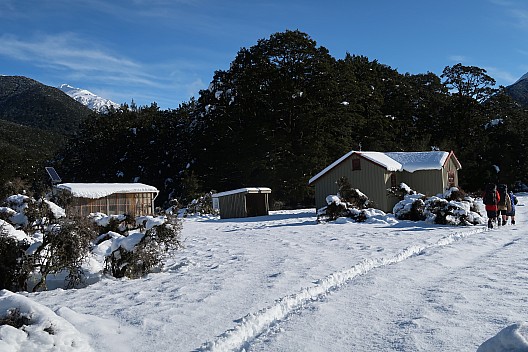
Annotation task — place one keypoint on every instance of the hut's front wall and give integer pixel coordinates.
(243, 204)
(450, 174)
(433, 182)
(428, 182)
(370, 178)
(367, 179)
(135, 204)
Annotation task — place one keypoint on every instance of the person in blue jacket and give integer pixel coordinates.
(511, 213)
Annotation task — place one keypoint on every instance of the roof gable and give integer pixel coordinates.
(398, 161)
(378, 158)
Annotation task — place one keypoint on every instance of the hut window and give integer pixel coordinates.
(451, 178)
(143, 203)
(356, 164)
(112, 204)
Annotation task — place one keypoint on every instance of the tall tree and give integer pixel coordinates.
(466, 117)
(262, 120)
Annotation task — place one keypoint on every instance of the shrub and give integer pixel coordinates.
(14, 186)
(26, 213)
(411, 208)
(201, 205)
(115, 223)
(13, 275)
(401, 191)
(145, 252)
(65, 245)
(454, 207)
(15, 319)
(337, 208)
(352, 196)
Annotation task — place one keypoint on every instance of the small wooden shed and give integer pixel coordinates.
(135, 199)
(243, 202)
(373, 173)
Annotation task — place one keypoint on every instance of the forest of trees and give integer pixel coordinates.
(285, 109)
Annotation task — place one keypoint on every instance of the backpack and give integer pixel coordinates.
(490, 196)
(503, 189)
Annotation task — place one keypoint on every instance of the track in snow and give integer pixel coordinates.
(255, 324)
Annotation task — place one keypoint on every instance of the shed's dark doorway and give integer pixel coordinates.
(256, 204)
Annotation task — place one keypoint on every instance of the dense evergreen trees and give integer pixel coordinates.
(144, 144)
(285, 109)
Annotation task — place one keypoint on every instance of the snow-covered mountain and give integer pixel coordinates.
(88, 98)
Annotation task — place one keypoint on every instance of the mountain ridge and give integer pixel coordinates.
(28, 102)
(89, 99)
(518, 91)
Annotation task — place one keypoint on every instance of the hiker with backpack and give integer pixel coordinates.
(514, 202)
(491, 198)
(504, 204)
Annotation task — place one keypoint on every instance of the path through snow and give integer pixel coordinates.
(255, 324)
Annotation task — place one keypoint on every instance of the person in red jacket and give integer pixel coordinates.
(491, 198)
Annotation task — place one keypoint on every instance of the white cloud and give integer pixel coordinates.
(67, 52)
(69, 58)
(516, 10)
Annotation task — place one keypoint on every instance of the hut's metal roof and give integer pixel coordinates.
(99, 190)
(398, 161)
(243, 190)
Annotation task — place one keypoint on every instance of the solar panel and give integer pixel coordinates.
(53, 174)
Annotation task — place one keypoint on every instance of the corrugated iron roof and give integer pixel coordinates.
(397, 161)
(243, 190)
(99, 190)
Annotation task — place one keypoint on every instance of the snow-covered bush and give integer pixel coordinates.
(201, 206)
(352, 196)
(29, 214)
(454, 207)
(15, 319)
(335, 209)
(65, 245)
(338, 208)
(13, 275)
(349, 202)
(116, 223)
(401, 191)
(139, 253)
(38, 242)
(412, 207)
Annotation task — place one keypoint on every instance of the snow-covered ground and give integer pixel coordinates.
(286, 283)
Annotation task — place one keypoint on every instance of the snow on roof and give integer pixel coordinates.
(377, 157)
(243, 190)
(383, 160)
(414, 161)
(397, 161)
(99, 190)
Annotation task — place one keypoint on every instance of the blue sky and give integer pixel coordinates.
(165, 51)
